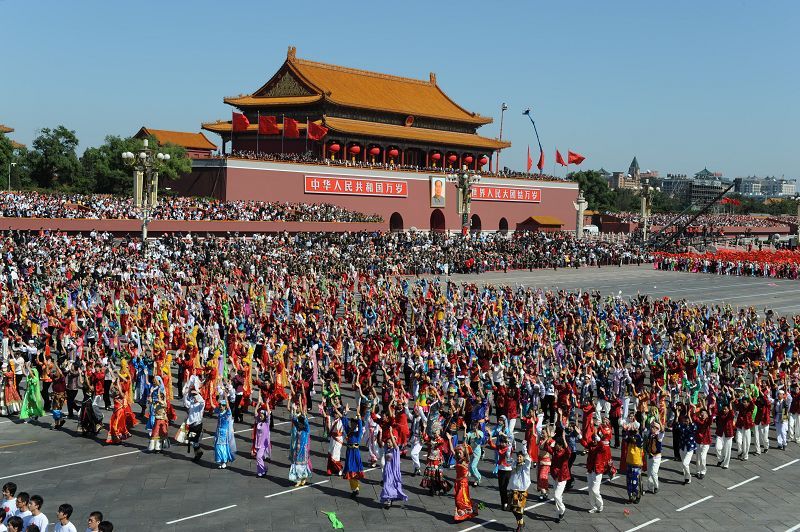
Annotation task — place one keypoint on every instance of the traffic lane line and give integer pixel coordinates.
(682, 508)
(787, 464)
(742, 483)
(795, 527)
(650, 522)
(298, 488)
(69, 465)
(16, 444)
(200, 515)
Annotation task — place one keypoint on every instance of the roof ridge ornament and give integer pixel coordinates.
(291, 54)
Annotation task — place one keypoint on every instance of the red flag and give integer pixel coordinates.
(268, 125)
(560, 159)
(530, 161)
(240, 122)
(540, 164)
(290, 129)
(316, 131)
(574, 158)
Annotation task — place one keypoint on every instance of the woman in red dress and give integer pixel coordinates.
(464, 507)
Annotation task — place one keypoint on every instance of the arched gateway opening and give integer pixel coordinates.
(475, 224)
(437, 220)
(396, 222)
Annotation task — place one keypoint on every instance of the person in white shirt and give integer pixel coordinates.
(22, 511)
(37, 517)
(62, 515)
(95, 518)
(9, 500)
(519, 484)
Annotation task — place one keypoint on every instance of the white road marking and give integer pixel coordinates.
(787, 464)
(682, 508)
(795, 527)
(650, 522)
(308, 485)
(479, 525)
(69, 465)
(742, 483)
(200, 515)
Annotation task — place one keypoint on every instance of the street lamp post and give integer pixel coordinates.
(647, 203)
(10, 165)
(464, 181)
(503, 109)
(145, 183)
(580, 206)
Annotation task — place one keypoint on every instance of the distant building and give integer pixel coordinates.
(630, 179)
(6, 130)
(197, 146)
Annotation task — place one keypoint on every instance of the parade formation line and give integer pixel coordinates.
(201, 515)
(787, 464)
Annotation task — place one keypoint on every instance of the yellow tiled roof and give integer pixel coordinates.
(225, 127)
(432, 136)
(546, 219)
(256, 101)
(371, 90)
(196, 141)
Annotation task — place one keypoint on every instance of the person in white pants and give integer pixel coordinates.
(744, 422)
(780, 414)
(703, 439)
(725, 431)
(763, 409)
(653, 450)
(687, 431)
(794, 413)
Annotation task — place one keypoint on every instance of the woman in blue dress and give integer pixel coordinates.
(353, 468)
(299, 456)
(224, 442)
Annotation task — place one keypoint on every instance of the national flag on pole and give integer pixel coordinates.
(574, 158)
(530, 161)
(268, 125)
(560, 159)
(540, 164)
(290, 129)
(240, 122)
(316, 131)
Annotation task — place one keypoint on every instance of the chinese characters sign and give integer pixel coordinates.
(497, 193)
(356, 186)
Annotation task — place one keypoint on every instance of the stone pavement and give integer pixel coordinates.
(138, 491)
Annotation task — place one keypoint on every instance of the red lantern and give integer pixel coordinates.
(393, 152)
(468, 159)
(436, 156)
(483, 160)
(334, 147)
(355, 150)
(374, 150)
(452, 157)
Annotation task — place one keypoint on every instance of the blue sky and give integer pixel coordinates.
(681, 84)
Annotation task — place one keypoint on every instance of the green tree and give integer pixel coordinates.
(595, 189)
(625, 199)
(104, 164)
(54, 163)
(20, 173)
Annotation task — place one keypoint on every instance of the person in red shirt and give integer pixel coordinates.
(702, 438)
(763, 421)
(744, 422)
(559, 470)
(596, 464)
(726, 429)
(794, 414)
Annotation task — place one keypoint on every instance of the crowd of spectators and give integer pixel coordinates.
(708, 219)
(309, 158)
(95, 206)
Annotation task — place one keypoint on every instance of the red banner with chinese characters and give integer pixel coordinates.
(356, 186)
(498, 193)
